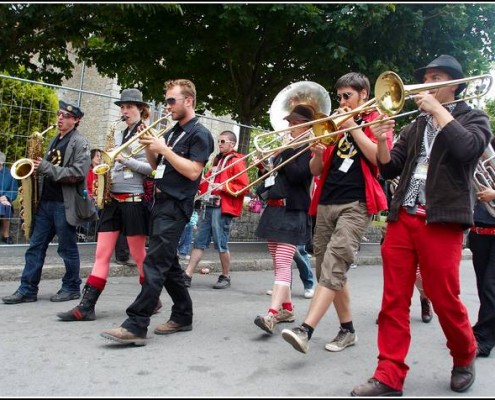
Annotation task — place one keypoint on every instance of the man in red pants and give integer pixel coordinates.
(435, 156)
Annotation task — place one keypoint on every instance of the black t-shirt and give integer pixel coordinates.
(342, 187)
(192, 141)
(52, 190)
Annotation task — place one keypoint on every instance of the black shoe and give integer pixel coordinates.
(482, 352)
(222, 283)
(187, 279)
(63, 295)
(18, 297)
(8, 240)
(462, 378)
(426, 313)
(374, 388)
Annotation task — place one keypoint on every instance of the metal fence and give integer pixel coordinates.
(100, 111)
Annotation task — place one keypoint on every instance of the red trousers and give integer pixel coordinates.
(437, 249)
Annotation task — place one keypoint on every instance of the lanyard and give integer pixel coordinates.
(176, 140)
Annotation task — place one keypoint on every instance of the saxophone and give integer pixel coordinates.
(23, 170)
(101, 185)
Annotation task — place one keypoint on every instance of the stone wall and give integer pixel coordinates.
(243, 229)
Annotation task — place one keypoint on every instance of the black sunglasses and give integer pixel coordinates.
(64, 114)
(346, 96)
(171, 100)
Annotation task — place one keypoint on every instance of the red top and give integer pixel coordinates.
(229, 204)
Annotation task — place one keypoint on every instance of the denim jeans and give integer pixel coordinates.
(186, 240)
(50, 221)
(213, 224)
(304, 266)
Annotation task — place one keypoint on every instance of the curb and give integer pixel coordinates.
(56, 271)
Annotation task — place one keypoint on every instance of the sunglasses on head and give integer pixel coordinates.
(172, 100)
(345, 96)
(223, 141)
(64, 114)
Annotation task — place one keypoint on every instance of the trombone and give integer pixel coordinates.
(390, 96)
(109, 157)
(257, 162)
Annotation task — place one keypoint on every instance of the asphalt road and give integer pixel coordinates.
(225, 355)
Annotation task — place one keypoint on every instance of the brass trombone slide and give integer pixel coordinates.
(322, 123)
(260, 161)
(391, 94)
(109, 157)
(265, 175)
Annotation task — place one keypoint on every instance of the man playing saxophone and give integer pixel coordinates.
(62, 207)
(124, 213)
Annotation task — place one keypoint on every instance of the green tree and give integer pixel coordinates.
(490, 110)
(25, 108)
(240, 56)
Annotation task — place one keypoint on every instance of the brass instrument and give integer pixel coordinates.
(101, 185)
(484, 175)
(24, 171)
(391, 93)
(109, 157)
(305, 92)
(390, 96)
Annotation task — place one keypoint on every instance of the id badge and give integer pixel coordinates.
(270, 181)
(346, 164)
(421, 171)
(128, 173)
(159, 171)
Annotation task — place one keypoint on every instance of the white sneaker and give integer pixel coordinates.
(308, 293)
(269, 292)
(353, 266)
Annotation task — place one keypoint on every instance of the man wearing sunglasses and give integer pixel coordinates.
(62, 206)
(178, 159)
(347, 195)
(219, 207)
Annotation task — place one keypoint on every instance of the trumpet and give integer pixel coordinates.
(109, 157)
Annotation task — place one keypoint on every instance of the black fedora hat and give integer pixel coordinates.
(70, 108)
(131, 96)
(301, 112)
(447, 64)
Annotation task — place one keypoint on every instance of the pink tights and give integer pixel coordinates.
(104, 250)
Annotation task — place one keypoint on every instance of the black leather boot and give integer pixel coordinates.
(85, 311)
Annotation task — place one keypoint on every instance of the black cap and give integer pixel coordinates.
(301, 112)
(70, 108)
(447, 64)
(131, 96)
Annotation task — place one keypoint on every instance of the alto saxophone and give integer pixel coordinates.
(101, 185)
(23, 170)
